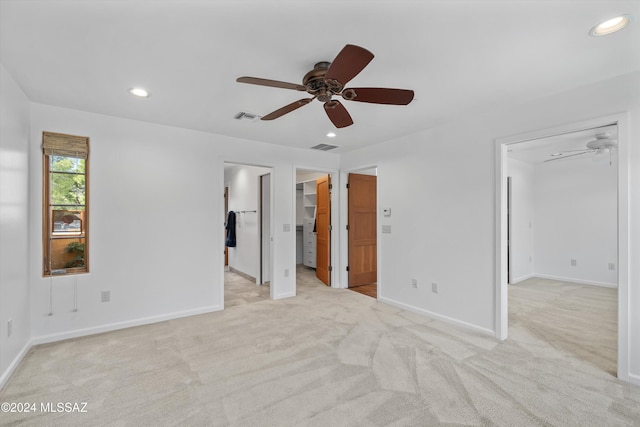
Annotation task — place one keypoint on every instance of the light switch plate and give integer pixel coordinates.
(386, 228)
(386, 211)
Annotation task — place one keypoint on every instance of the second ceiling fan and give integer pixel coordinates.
(327, 79)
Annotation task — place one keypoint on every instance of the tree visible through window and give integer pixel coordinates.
(65, 204)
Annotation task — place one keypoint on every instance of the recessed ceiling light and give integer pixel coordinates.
(137, 91)
(610, 26)
(331, 135)
(556, 154)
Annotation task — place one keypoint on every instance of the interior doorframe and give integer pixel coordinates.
(335, 222)
(501, 287)
(274, 284)
(260, 276)
(344, 234)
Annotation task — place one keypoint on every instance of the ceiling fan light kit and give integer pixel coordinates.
(328, 79)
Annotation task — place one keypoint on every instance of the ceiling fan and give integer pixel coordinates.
(604, 143)
(327, 80)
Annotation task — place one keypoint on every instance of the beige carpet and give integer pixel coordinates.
(239, 290)
(324, 358)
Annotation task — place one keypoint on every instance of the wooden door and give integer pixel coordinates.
(323, 229)
(362, 230)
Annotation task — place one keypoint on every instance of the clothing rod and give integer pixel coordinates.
(247, 211)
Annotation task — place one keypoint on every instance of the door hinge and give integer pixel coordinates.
(347, 185)
(347, 227)
(330, 268)
(347, 268)
(330, 227)
(330, 186)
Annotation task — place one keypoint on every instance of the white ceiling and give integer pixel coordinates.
(458, 56)
(568, 145)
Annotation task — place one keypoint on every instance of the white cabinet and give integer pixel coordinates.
(308, 224)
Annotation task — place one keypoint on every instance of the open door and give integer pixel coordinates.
(323, 229)
(362, 230)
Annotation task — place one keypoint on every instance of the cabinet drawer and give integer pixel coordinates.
(310, 262)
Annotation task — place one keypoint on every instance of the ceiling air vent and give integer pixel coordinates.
(246, 116)
(324, 147)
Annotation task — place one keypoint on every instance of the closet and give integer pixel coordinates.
(309, 223)
(313, 223)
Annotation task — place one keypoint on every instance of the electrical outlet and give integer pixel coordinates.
(9, 327)
(105, 296)
(573, 262)
(434, 287)
(414, 283)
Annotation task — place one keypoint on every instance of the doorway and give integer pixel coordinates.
(362, 232)
(248, 220)
(314, 227)
(512, 260)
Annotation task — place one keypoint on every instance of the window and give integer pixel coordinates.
(65, 204)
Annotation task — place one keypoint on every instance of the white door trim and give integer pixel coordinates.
(275, 283)
(501, 300)
(335, 220)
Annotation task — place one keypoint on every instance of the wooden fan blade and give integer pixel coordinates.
(378, 95)
(338, 115)
(287, 109)
(349, 62)
(272, 83)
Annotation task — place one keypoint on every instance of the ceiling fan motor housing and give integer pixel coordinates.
(603, 141)
(317, 85)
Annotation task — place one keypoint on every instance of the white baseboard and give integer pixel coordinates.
(438, 316)
(521, 278)
(634, 379)
(14, 364)
(43, 339)
(243, 274)
(285, 295)
(579, 281)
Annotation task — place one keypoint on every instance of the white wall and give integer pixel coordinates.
(576, 218)
(157, 235)
(14, 229)
(522, 220)
(440, 185)
(244, 193)
(564, 210)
